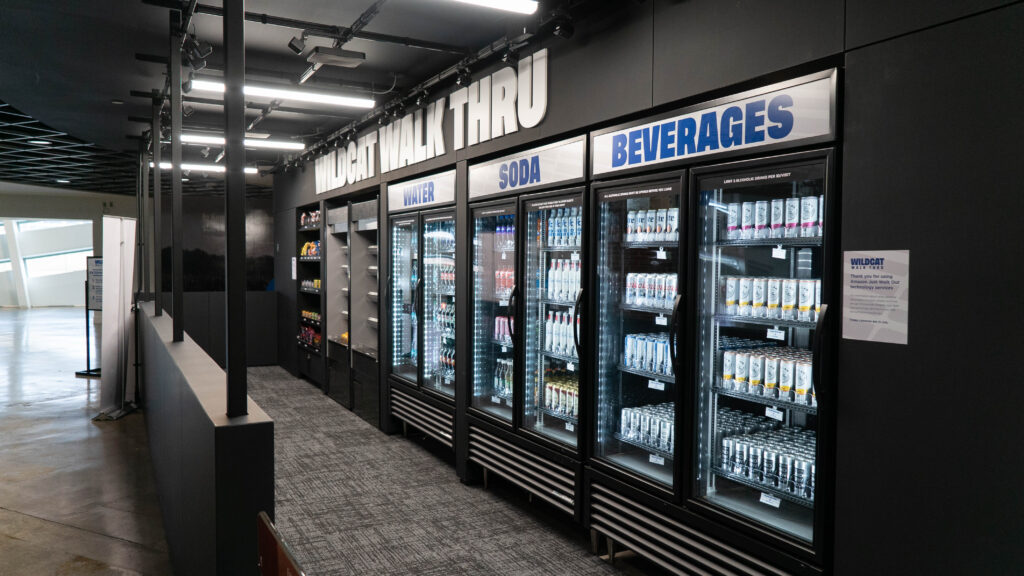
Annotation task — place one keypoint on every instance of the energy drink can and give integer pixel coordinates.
(804, 375)
(745, 288)
(761, 229)
(728, 453)
(728, 369)
(778, 218)
(640, 343)
(672, 224)
(733, 222)
(772, 309)
(801, 476)
(634, 424)
(756, 467)
(806, 300)
(789, 299)
(731, 295)
(630, 289)
(755, 371)
(671, 289)
(787, 367)
(771, 466)
(821, 215)
(741, 458)
(651, 225)
(771, 377)
(792, 218)
(785, 472)
(576, 403)
(665, 435)
(661, 290)
(640, 231)
(629, 351)
(660, 225)
(631, 226)
(650, 353)
(809, 216)
(747, 218)
(810, 482)
(549, 390)
(757, 300)
(742, 370)
(661, 352)
(624, 428)
(645, 428)
(817, 299)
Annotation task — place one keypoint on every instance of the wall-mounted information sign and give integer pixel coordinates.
(422, 192)
(560, 162)
(876, 295)
(94, 283)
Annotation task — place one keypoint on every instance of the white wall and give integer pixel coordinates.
(7, 295)
(58, 290)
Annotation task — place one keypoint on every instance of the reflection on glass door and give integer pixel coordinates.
(439, 303)
(494, 273)
(404, 286)
(639, 259)
(554, 232)
(759, 286)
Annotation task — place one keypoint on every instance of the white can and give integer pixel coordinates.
(803, 382)
(771, 377)
(650, 229)
(742, 370)
(672, 224)
(817, 299)
(809, 216)
(631, 226)
(778, 218)
(806, 301)
(821, 215)
(639, 230)
(789, 288)
(745, 289)
(787, 367)
(757, 300)
(660, 291)
(651, 353)
(733, 222)
(761, 229)
(792, 218)
(774, 288)
(731, 295)
(661, 225)
(755, 374)
(747, 219)
(728, 369)
(671, 289)
(630, 294)
(650, 290)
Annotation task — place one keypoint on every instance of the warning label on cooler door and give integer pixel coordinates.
(876, 295)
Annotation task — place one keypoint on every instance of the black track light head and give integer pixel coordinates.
(510, 57)
(463, 78)
(297, 45)
(564, 29)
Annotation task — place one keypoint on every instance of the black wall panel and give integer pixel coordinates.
(285, 222)
(703, 45)
(869, 21)
(929, 433)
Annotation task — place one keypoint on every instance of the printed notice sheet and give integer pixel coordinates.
(876, 295)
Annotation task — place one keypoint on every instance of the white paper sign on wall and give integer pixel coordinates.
(876, 295)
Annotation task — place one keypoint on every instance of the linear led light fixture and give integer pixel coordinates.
(249, 142)
(286, 94)
(518, 6)
(203, 167)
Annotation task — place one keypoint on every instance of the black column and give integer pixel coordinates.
(177, 226)
(158, 240)
(234, 203)
(143, 216)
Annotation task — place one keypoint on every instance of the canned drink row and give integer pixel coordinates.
(503, 329)
(778, 218)
(779, 373)
(787, 467)
(732, 422)
(773, 298)
(652, 225)
(651, 290)
(652, 425)
(562, 396)
(648, 352)
(734, 342)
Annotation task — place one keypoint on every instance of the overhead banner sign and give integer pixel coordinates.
(560, 162)
(876, 295)
(422, 192)
(797, 112)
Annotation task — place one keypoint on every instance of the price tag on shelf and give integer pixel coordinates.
(570, 367)
(504, 349)
(502, 255)
(655, 459)
(770, 500)
(447, 381)
(773, 413)
(655, 384)
(779, 252)
(570, 427)
(502, 302)
(661, 320)
(661, 255)
(776, 334)
(496, 400)
(575, 256)
(509, 402)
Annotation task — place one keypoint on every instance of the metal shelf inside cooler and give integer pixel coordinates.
(773, 402)
(309, 322)
(655, 244)
(309, 258)
(646, 374)
(556, 302)
(562, 357)
(726, 319)
(309, 228)
(575, 248)
(782, 494)
(647, 309)
(812, 241)
(570, 419)
(309, 290)
(646, 447)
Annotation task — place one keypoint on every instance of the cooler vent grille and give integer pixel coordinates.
(553, 483)
(432, 421)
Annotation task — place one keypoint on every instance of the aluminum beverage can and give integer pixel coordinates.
(809, 216)
(645, 427)
(641, 349)
(806, 300)
(801, 474)
(771, 377)
(804, 375)
(785, 472)
(661, 353)
(772, 308)
(650, 354)
(821, 215)
(575, 402)
(741, 460)
(757, 300)
(640, 230)
(548, 393)
(661, 291)
(665, 435)
(631, 226)
(756, 468)
(671, 289)
(624, 425)
(634, 424)
(817, 299)
(755, 371)
(728, 369)
(742, 370)
(672, 224)
(728, 451)
(747, 217)
(651, 291)
(652, 224)
(771, 464)
(731, 293)
(745, 289)
(733, 222)
(629, 351)
(789, 289)
(792, 217)
(811, 481)
(761, 227)
(660, 225)
(630, 289)
(787, 369)
(778, 218)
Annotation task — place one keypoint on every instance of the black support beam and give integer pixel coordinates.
(177, 225)
(234, 205)
(158, 239)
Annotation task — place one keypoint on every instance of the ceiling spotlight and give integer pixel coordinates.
(463, 78)
(421, 100)
(564, 28)
(510, 57)
(298, 43)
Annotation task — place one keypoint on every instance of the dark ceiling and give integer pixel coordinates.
(73, 66)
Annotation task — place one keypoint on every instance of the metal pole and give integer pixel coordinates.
(158, 238)
(177, 225)
(234, 204)
(144, 211)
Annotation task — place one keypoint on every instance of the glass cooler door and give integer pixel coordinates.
(439, 303)
(758, 295)
(552, 323)
(639, 260)
(405, 287)
(494, 295)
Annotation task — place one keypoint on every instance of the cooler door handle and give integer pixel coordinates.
(673, 328)
(510, 312)
(575, 323)
(816, 344)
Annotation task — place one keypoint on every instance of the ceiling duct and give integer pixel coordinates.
(328, 56)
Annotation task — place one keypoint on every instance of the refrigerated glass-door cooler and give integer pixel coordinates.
(439, 303)
(552, 295)
(759, 283)
(639, 261)
(405, 286)
(494, 293)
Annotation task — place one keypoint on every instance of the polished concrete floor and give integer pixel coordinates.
(76, 496)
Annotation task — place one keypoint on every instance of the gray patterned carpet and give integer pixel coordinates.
(351, 500)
